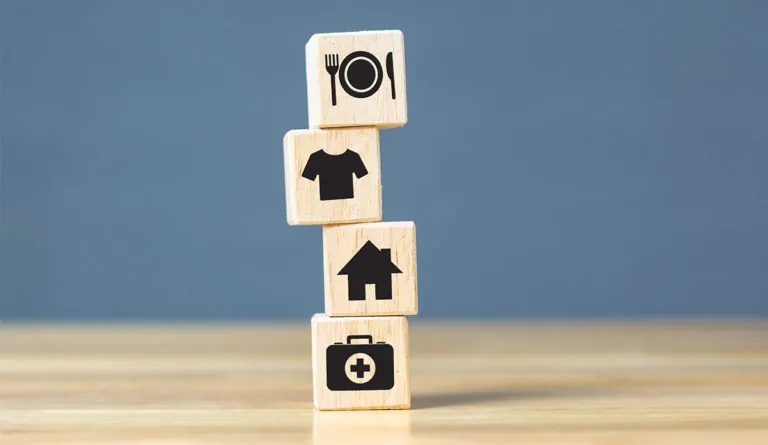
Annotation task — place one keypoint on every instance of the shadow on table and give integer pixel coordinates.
(436, 400)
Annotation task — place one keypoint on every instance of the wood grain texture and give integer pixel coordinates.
(391, 331)
(302, 195)
(379, 109)
(341, 245)
(689, 382)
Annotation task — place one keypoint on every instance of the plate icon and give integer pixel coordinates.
(360, 74)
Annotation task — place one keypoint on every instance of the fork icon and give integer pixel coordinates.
(332, 67)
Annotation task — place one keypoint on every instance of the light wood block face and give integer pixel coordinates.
(332, 176)
(360, 363)
(370, 269)
(356, 79)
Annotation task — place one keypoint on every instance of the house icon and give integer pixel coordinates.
(370, 265)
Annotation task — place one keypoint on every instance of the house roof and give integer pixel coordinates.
(370, 259)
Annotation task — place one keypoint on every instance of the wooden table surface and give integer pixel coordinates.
(691, 382)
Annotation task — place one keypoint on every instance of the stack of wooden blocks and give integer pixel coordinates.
(355, 86)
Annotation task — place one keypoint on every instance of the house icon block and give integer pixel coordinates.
(370, 265)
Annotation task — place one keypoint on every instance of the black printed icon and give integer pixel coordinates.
(359, 367)
(336, 173)
(391, 73)
(332, 67)
(370, 265)
(360, 74)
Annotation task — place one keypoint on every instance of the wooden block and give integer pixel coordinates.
(360, 363)
(356, 79)
(370, 269)
(332, 176)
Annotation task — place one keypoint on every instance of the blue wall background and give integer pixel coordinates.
(592, 158)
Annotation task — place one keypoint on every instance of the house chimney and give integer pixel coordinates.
(386, 254)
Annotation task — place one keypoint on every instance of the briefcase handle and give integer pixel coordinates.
(350, 338)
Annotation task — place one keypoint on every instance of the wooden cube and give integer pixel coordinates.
(360, 363)
(332, 176)
(356, 79)
(370, 269)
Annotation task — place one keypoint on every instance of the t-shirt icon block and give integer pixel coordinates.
(332, 176)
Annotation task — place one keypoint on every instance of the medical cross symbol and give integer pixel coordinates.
(360, 368)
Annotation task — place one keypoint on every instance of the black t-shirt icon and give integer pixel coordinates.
(335, 172)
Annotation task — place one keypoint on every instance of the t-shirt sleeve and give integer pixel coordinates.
(358, 168)
(312, 169)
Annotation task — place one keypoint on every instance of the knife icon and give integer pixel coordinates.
(391, 73)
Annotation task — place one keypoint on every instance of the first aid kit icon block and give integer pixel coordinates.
(370, 269)
(360, 363)
(332, 176)
(356, 79)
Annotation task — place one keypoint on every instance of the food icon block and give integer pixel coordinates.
(356, 79)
